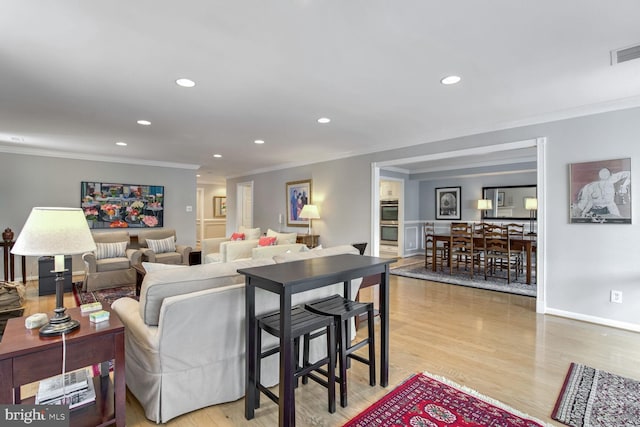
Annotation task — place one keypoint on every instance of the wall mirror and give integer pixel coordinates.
(508, 202)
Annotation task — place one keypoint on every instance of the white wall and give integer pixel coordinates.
(584, 261)
(28, 181)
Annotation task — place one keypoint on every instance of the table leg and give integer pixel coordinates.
(384, 327)
(528, 249)
(119, 386)
(434, 245)
(6, 381)
(251, 345)
(287, 403)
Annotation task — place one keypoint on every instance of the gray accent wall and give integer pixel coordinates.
(27, 181)
(584, 262)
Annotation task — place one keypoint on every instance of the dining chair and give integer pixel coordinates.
(434, 258)
(497, 252)
(517, 231)
(461, 248)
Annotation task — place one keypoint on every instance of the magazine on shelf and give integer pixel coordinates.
(74, 399)
(51, 388)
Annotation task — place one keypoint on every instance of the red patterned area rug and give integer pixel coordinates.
(105, 296)
(594, 398)
(426, 400)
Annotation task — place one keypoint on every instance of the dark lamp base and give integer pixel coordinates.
(59, 326)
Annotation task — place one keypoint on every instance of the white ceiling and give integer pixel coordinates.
(75, 75)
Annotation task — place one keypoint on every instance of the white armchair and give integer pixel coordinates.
(160, 246)
(111, 265)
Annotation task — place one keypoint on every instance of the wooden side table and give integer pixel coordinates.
(311, 240)
(10, 263)
(25, 357)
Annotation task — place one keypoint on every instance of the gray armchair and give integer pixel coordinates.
(111, 265)
(173, 254)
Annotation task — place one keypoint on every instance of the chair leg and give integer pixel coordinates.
(372, 348)
(256, 403)
(342, 362)
(331, 371)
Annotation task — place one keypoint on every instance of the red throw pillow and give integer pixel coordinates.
(237, 236)
(267, 241)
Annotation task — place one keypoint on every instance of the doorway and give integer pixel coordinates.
(244, 213)
(498, 151)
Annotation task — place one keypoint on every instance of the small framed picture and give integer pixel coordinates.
(219, 206)
(448, 203)
(500, 198)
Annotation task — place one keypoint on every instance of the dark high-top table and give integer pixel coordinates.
(289, 278)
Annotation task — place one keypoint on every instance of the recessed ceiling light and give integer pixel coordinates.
(121, 143)
(217, 156)
(450, 80)
(197, 175)
(144, 122)
(185, 83)
(324, 120)
(258, 141)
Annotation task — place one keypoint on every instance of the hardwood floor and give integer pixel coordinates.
(492, 342)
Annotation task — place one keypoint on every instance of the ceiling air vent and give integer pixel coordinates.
(624, 55)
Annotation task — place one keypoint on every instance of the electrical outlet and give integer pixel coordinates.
(189, 208)
(616, 296)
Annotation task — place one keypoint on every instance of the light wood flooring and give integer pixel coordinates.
(492, 342)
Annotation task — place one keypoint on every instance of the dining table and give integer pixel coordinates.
(289, 278)
(525, 242)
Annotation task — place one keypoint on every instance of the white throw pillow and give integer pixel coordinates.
(155, 266)
(110, 250)
(250, 233)
(282, 238)
(163, 245)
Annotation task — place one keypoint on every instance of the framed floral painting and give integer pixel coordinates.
(113, 205)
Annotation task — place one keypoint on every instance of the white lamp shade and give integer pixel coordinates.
(54, 231)
(531, 203)
(484, 204)
(309, 212)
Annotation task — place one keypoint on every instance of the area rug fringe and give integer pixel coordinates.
(487, 399)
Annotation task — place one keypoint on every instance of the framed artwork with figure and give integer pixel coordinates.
(448, 203)
(600, 192)
(298, 195)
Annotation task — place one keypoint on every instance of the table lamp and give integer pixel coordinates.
(309, 212)
(56, 232)
(531, 204)
(484, 205)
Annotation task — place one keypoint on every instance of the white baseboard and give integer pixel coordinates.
(593, 319)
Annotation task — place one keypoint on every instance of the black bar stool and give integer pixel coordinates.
(343, 310)
(303, 323)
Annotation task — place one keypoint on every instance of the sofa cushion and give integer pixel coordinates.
(112, 264)
(334, 250)
(161, 284)
(250, 233)
(237, 236)
(155, 266)
(282, 238)
(110, 250)
(162, 245)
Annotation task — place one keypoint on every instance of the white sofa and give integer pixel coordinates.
(185, 338)
(225, 250)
